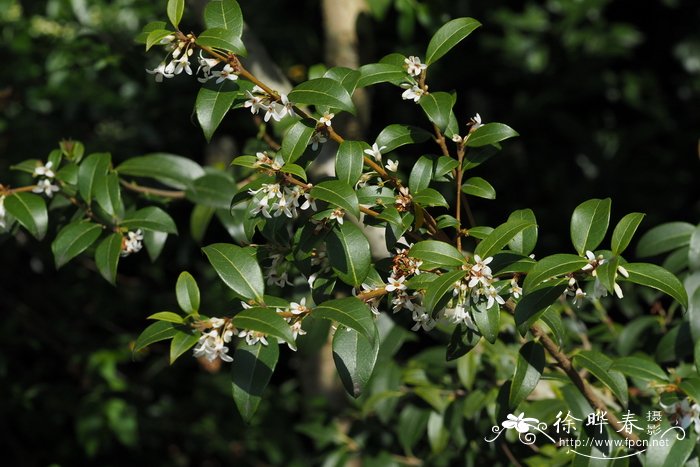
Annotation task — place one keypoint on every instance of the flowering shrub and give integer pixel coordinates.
(302, 266)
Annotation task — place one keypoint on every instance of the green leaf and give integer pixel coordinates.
(696, 356)
(675, 344)
(462, 341)
(437, 289)
(525, 241)
(657, 278)
(477, 186)
(552, 319)
(322, 92)
(215, 189)
(487, 319)
(187, 293)
(444, 165)
(552, 266)
(30, 211)
(168, 316)
(589, 223)
(296, 140)
(691, 386)
(429, 197)
(437, 254)
(108, 194)
(93, 167)
(266, 321)
(375, 73)
(212, 104)
(528, 371)
(158, 331)
(600, 366)
(349, 161)
(150, 218)
(349, 253)
(73, 239)
(175, 9)
(395, 136)
(490, 133)
(449, 35)
(154, 37)
(533, 304)
(295, 170)
(171, 170)
(438, 434)
(223, 39)
(339, 194)
(107, 256)
(421, 174)
(438, 106)
(352, 313)
(354, 359)
(181, 343)
(633, 333)
(642, 368)
(664, 238)
(411, 426)
(141, 37)
(224, 14)
(347, 77)
(694, 249)
(624, 231)
(238, 269)
(154, 243)
(251, 370)
(500, 237)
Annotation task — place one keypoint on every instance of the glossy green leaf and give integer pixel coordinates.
(667, 450)
(641, 368)
(181, 343)
(421, 174)
(487, 319)
(352, 313)
(187, 293)
(600, 366)
(168, 316)
(30, 211)
(238, 269)
(490, 133)
(500, 237)
(528, 371)
(444, 165)
(675, 344)
(171, 170)
(589, 223)
(349, 161)
(624, 231)
(266, 321)
(552, 266)
(107, 256)
(664, 238)
(215, 189)
(347, 77)
(154, 37)
(158, 331)
(150, 218)
(632, 335)
(440, 287)
(175, 9)
(552, 319)
(199, 221)
(224, 39)
(354, 359)
(349, 253)
(375, 73)
(534, 303)
(73, 239)
(657, 278)
(696, 356)
(339, 194)
(438, 106)
(251, 370)
(449, 35)
(296, 139)
(93, 167)
(295, 170)
(322, 92)
(224, 14)
(429, 197)
(212, 103)
(412, 424)
(108, 195)
(462, 341)
(477, 186)
(395, 136)
(437, 254)
(154, 242)
(143, 35)
(694, 249)
(525, 241)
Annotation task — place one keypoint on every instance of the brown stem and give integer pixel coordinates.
(458, 208)
(152, 191)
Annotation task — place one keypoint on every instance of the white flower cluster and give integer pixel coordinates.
(473, 124)
(414, 68)
(276, 272)
(280, 200)
(181, 51)
(132, 243)
(599, 289)
(683, 414)
(45, 185)
(212, 344)
(297, 309)
(275, 109)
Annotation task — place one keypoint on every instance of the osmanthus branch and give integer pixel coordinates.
(172, 194)
(7, 191)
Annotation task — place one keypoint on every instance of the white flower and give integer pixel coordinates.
(395, 284)
(312, 278)
(475, 122)
(326, 119)
(253, 337)
(375, 152)
(683, 414)
(579, 296)
(44, 171)
(261, 207)
(392, 166)
(254, 103)
(317, 138)
(299, 308)
(45, 186)
(493, 297)
(515, 290)
(211, 345)
(519, 423)
(2, 212)
(423, 320)
(160, 72)
(279, 110)
(338, 215)
(182, 63)
(456, 138)
(412, 92)
(309, 202)
(623, 272)
(226, 73)
(132, 243)
(282, 207)
(413, 65)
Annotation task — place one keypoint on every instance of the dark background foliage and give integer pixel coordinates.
(605, 95)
